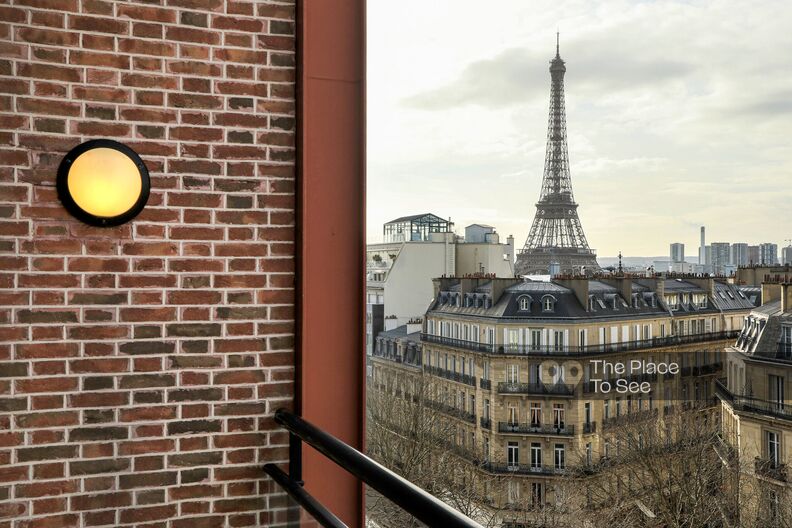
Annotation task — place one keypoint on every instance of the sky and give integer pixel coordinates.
(679, 114)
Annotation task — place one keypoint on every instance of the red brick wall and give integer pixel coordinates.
(140, 365)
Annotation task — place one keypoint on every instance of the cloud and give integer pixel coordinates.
(519, 76)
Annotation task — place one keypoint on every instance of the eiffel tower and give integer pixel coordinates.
(556, 243)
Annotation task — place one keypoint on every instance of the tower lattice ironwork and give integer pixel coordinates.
(556, 242)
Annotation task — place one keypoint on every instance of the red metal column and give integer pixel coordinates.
(331, 240)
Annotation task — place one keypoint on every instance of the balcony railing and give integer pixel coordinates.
(771, 469)
(486, 423)
(467, 379)
(529, 428)
(456, 343)
(589, 427)
(485, 384)
(560, 389)
(630, 417)
(415, 501)
(522, 469)
(453, 411)
(776, 409)
(572, 351)
(702, 370)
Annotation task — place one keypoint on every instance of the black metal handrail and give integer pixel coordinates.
(415, 501)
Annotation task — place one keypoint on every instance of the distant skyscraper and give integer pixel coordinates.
(556, 236)
(786, 255)
(677, 252)
(753, 255)
(702, 249)
(768, 253)
(719, 255)
(739, 254)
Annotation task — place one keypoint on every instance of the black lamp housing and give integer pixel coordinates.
(84, 216)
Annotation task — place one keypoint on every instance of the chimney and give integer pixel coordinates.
(622, 284)
(705, 283)
(579, 286)
(786, 297)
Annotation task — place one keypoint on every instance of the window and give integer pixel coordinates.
(536, 339)
(537, 495)
(486, 409)
(513, 491)
(514, 417)
(587, 413)
(773, 448)
(588, 453)
(559, 458)
(558, 415)
(525, 303)
(558, 340)
(775, 391)
(548, 303)
(606, 410)
(536, 414)
(513, 454)
(512, 373)
(785, 344)
(536, 456)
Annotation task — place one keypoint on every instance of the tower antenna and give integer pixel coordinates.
(558, 39)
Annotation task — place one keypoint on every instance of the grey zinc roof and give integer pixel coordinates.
(677, 285)
(727, 297)
(537, 286)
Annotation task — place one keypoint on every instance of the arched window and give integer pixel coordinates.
(548, 303)
(525, 303)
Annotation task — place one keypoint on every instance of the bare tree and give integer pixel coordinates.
(412, 431)
(660, 472)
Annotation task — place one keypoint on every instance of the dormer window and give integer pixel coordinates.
(548, 303)
(525, 303)
(592, 302)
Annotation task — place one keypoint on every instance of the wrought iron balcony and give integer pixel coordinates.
(558, 389)
(522, 469)
(630, 417)
(453, 411)
(589, 427)
(467, 379)
(485, 384)
(701, 370)
(573, 351)
(486, 423)
(776, 409)
(529, 428)
(771, 469)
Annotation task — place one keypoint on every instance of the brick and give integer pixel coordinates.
(194, 426)
(145, 480)
(98, 433)
(100, 501)
(139, 381)
(30, 454)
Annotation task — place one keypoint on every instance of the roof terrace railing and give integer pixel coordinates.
(412, 499)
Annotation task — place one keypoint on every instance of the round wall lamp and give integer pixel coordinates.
(103, 183)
